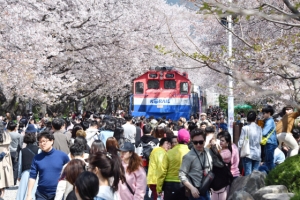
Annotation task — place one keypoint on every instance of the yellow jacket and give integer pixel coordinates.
(155, 161)
(169, 170)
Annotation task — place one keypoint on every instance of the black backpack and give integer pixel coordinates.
(223, 176)
(147, 149)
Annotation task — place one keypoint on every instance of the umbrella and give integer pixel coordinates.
(242, 106)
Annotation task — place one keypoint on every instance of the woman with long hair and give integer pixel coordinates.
(135, 185)
(226, 152)
(97, 146)
(107, 168)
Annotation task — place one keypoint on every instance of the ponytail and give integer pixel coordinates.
(117, 171)
(109, 165)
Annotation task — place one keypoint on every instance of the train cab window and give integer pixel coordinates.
(170, 84)
(153, 84)
(184, 88)
(139, 88)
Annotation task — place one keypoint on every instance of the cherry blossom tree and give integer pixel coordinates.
(265, 55)
(60, 50)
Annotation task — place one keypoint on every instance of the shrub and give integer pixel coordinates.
(296, 196)
(287, 173)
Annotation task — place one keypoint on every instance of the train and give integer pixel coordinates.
(165, 92)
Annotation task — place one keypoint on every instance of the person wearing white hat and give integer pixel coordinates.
(203, 119)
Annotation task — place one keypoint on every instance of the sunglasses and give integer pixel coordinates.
(198, 142)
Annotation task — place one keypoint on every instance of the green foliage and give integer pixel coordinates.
(162, 49)
(287, 173)
(257, 47)
(297, 196)
(36, 116)
(205, 6)
(223, 102)
(16, 105)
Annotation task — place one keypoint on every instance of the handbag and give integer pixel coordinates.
(264, 140)
(245, 150)
(206, 182)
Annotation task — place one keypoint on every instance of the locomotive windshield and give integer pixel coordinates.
(153, 84)
(184, 88)
(170, 84)
(139, 87)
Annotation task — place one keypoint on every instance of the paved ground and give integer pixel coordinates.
(10, 193)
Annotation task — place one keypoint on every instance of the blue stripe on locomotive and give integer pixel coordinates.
(173, 112)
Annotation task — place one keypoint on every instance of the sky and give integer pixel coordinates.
(172, 1)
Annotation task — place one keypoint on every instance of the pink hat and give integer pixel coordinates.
(183, 136)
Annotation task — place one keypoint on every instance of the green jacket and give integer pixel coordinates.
(169, 169)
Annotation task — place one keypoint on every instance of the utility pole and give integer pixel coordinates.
(230, 119)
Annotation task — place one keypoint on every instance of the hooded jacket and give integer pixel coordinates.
(156, 159)
(168, 172)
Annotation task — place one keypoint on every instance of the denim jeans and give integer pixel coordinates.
(263, 168)
(40, 196)
(269, 156)
(250, 165)
(205, 197)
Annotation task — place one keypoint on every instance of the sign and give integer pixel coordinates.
(157, 101)
(230, 115)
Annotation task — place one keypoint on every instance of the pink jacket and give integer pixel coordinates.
(226, 155)
(235, 159)
(137, 181)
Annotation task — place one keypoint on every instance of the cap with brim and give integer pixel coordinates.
(127, 146)
(31, 129)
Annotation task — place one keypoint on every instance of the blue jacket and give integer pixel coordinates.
(268, 128)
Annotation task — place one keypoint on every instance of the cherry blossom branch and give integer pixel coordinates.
(186, 54)
(281, 11)
(291, 7)
(250, 12)
(243, 40)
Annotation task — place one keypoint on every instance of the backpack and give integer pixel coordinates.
(144, 149)
(223, 176)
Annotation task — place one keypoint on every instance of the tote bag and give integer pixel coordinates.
(245, 150)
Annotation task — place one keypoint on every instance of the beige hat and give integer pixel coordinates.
(203, 114)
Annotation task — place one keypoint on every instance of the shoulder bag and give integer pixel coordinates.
(245, 150)
(264, 140)
(129, 188)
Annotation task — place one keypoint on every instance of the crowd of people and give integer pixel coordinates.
(93, 156)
